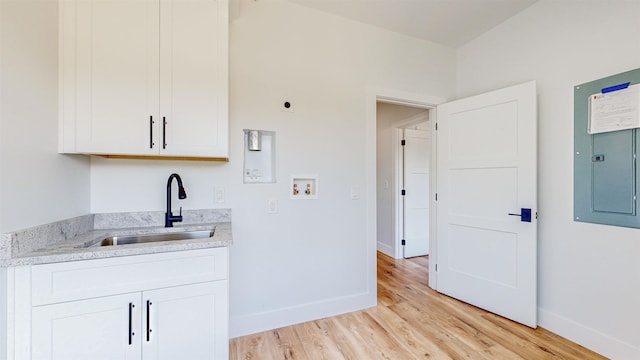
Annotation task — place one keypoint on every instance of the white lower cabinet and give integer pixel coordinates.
(88, 329)
(180, 322)
(154, 307)
(184, 322)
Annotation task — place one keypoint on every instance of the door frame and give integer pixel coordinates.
(397, 97)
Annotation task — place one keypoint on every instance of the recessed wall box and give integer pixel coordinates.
(259, 157)
(304, 187)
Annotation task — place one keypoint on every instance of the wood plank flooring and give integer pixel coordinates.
(411, 321)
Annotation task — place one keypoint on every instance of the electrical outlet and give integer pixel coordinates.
(219, 194)
(272, 206)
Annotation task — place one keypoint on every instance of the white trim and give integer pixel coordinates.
(18, 317)
(373, 95)
(398, 209)
(3, 313)
(413, 120)
(387, 249)
(433, 209)
(268, 320)
(587, 337)
(370, 196)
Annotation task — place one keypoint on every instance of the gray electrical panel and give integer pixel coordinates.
(605, 179)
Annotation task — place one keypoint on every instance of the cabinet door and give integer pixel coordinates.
(194, 77)
(102, 328)
(110, 74)
(186, 322)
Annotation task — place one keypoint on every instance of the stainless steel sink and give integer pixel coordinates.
(147, 238)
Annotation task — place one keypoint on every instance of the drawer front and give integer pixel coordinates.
(54, 283)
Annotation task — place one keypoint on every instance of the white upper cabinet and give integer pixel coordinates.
(144, 77)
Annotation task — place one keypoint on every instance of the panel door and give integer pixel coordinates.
(417, 153)
(186, 322)
(487, 170)
(105, 328)
(194, 77)
(114, 45)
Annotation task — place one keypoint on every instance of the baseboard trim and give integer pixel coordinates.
(587, 337)
(386, 249)
(268, 320)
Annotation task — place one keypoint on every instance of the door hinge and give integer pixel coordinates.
(436, 196)
(436, 267)
(403, 192)
(436, 126)
(403, 142)
(403, 242)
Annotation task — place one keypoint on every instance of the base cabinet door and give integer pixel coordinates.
(106, 328)
(186, 322)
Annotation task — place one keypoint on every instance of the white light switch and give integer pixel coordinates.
(272, 206)
(219, 194)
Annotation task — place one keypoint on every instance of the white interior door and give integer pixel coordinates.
(417, 152)
(487, 169)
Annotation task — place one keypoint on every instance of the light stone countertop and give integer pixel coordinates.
(70, 240)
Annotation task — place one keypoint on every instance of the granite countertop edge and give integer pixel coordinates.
(78, 247)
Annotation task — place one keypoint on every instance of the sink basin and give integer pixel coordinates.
(147, 238)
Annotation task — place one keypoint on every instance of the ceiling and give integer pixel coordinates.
(448, 22)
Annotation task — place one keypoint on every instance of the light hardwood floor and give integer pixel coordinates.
(411, 321)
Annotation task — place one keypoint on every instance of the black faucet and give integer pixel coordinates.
(169, 218)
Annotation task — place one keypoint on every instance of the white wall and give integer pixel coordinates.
(589, 275)
(389, 118)
(311, 259)
(37, 185)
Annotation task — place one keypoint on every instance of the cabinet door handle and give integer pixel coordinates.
(131, 333)
(151, 132)
(164, 132)
(149, 320)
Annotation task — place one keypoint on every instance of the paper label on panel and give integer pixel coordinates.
(613, 111)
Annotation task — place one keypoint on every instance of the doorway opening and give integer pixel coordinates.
(403, 151)
(382, 223)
